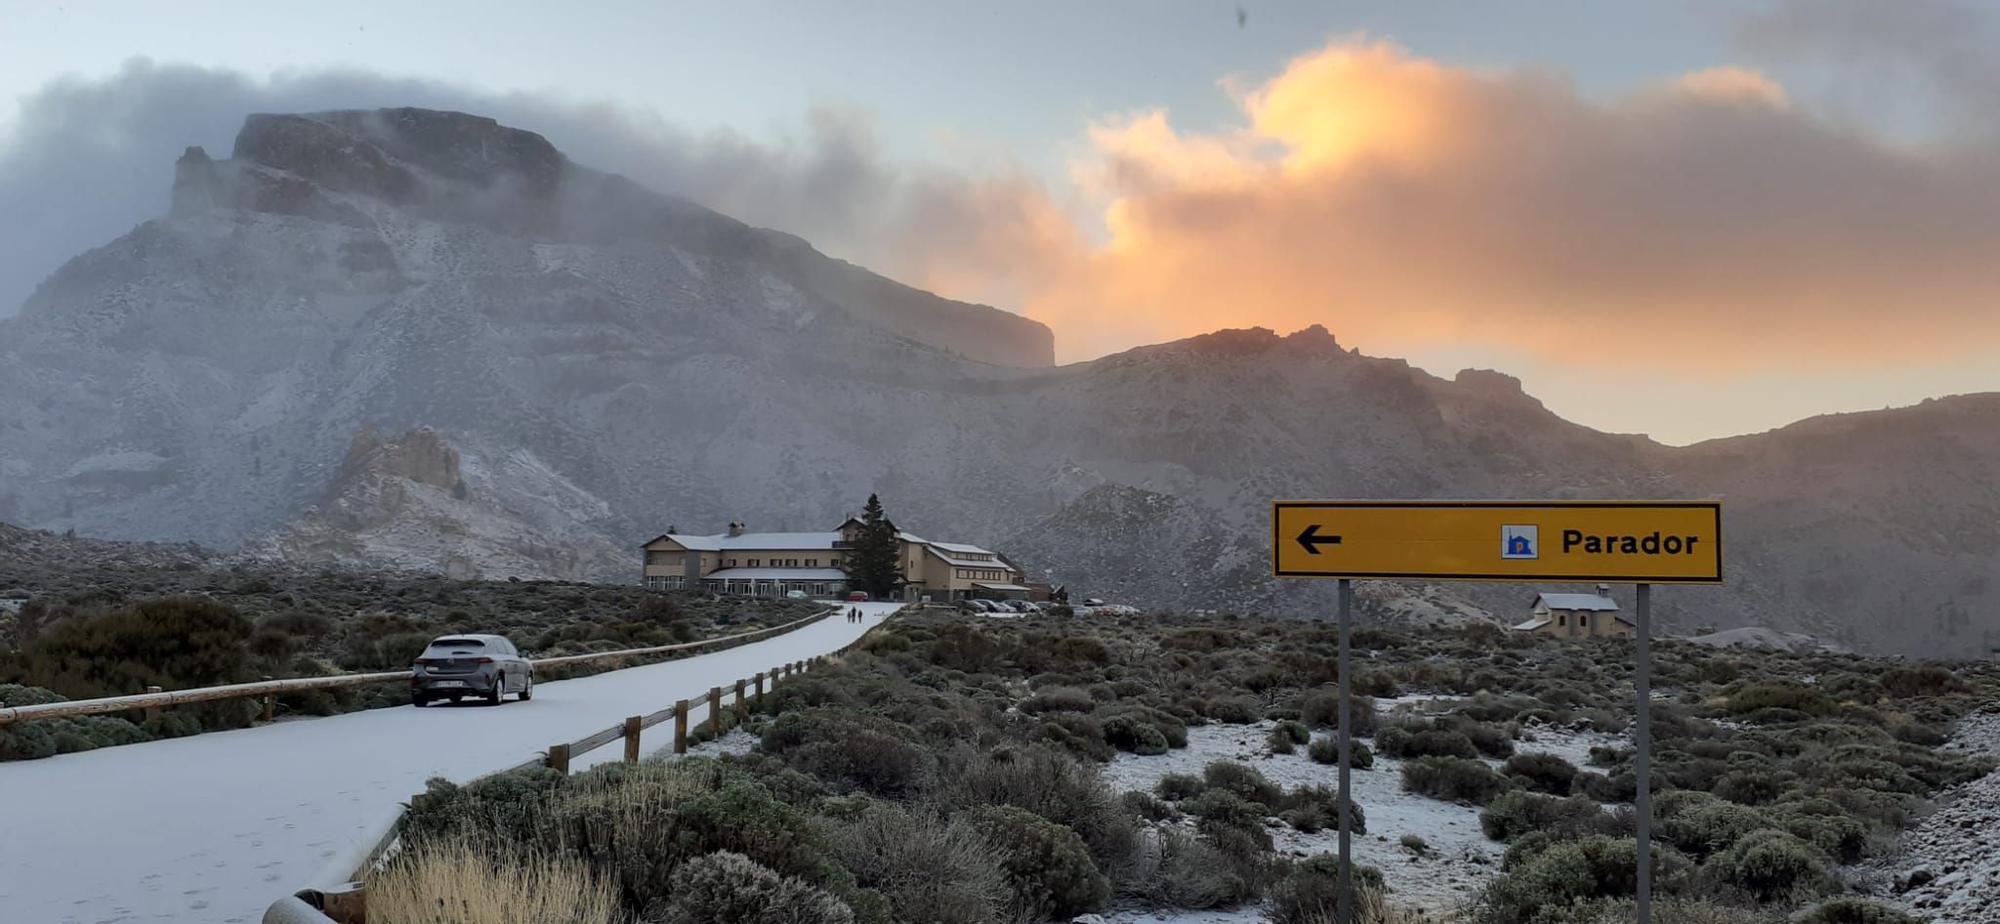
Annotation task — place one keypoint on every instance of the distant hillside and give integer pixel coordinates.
(420, 339)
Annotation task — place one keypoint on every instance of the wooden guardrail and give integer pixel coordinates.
(273, 688)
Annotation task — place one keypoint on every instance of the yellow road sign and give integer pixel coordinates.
(1653, 542)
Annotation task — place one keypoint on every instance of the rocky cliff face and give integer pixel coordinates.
(570, 363)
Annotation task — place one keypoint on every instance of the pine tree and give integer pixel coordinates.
(874, 562)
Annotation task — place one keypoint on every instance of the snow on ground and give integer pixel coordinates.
(1949, 868)
(1458, 861)
(215, 827)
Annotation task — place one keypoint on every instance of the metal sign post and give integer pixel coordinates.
(1638, 542)
(1642, 679)
(1344, 900)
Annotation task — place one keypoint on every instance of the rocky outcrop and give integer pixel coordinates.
(1950, 871)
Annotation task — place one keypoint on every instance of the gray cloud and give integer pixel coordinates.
(1874, 53)
(86, 160)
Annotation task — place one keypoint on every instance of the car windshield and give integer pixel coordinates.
(458, 643)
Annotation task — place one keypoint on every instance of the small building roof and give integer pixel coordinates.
(962, 548)
(951, 559)
(1591, 602)
(756, 542)
(1012, 587)
(1533, 624)
(776, 574)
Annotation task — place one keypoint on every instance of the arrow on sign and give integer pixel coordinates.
(1311, 540)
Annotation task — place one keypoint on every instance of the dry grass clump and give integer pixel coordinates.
(457, 881)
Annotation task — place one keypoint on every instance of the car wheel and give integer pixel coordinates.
(419, 701)
(528, 689)
(499, 692)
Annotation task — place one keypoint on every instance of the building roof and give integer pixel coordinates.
(754, 542)
(962, 548)
(1532, 624)
(1592, 602)
(949, 558)
(1000, 586)
(776, 574)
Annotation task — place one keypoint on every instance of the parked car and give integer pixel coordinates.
(857, 596)
(1030, 606)
(455, 667)
(982, 606)
(801, 595)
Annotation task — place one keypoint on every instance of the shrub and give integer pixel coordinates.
(1703, 830)
(727, 886)
(1059, 699)
(1427, 743)
(1321, 709)
(1453, 778)
(1568, 873)
(1491, 740)
(461, 875)
(1414, 844)
(1326, 750)
(852, 751)
(1054, 786)
(1178, 786)
(1219, 810)
(1176, 870)
(1232, 711)
(1749, 787)
(1515, 813)
(1148, 806)
(1127, 733)
(1909, 683)
(1047, 866)
(33, 740)
(926, 868)
(1824, 825)
(1545, 773)
(1242, 780)
(1853, 911)
(1788, 696)
(173, 643)
(1771, 866)
(1314, 808)
(1309, 894)
(1288, 734)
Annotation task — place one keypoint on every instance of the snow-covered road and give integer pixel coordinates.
(215, 827)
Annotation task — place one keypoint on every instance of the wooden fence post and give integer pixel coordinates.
(760, 689)
(715, 712)
(559, 758)
(681, 727)
(270, 704)
(632, 738)
(742, 706)
(152, 712)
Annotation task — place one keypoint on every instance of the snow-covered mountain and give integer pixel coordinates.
(424, 339)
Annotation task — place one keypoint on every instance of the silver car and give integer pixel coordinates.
(455, 667)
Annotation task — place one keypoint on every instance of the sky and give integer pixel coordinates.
(1689, 220)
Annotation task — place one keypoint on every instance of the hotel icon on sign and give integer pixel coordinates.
(1520, 542)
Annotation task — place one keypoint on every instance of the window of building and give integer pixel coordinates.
(1583, 619)
(753, 563)
(1562, 619)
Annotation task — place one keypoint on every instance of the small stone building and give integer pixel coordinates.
(1578, 616)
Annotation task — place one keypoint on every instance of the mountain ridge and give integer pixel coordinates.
(603, 360)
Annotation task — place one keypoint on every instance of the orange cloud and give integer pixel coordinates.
(1404, 203)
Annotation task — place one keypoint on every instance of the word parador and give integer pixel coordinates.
(1649, 544)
